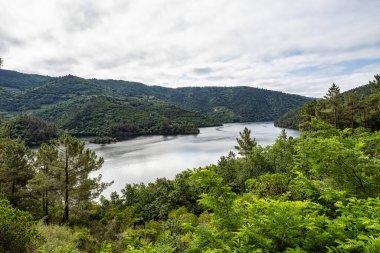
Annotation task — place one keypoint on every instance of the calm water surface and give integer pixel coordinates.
(143, 159)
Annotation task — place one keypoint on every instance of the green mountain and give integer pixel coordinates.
(94, 107)
(364, 90)
(107, 116)
(228, 104)
(235, 104)
(19, 81)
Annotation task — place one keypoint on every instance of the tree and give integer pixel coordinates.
(75, 164)
(218, 197)
(333, 98)
(32, 129)
(5, 129)
(375, 84)
(280, 154)
(245, 143)
(352, 105)
(344, 162)
(46, 180)
(15, 169)
(306, 114)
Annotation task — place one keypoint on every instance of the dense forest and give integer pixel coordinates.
(315, 193)
(358, 107)
(78, 105)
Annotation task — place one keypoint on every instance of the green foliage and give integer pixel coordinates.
(75, 164)
(341, 161)
(46, 180)
(289, 119)
(120, 108)
(316, 193)
(234, 104)
(62, 177)
(64, 239)
(59, 239)
(217, 197)
(156, 200)
(18, 232)
(280, 154)
(245, 143)
(270, 185)
(357, 228)
(334, 102)
(103, 140)
(352, 109)
(15, 169)
(274, 226)
(16, 80)
(106, 247)
(277, 158)
(32, 130)
(121, 118)
(375, 84)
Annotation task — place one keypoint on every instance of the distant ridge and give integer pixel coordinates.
(41, 95)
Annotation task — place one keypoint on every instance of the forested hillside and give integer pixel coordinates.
(289, 119)
(107, 116)
(235, 104)
(354, 108)
(315, 193)
(183, 110)
(18, 81)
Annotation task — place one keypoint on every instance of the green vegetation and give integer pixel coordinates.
(32, 130)
(347, 110)
(236, 104)
(103, 140)
(120, 118)
(245, 143)
(358, 107)
(289, 120)
(119, 109)
(315, 193)
(18, 231)
(16, 81)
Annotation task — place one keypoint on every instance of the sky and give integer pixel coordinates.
(294, 46)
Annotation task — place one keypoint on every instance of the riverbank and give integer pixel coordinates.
(145, 158)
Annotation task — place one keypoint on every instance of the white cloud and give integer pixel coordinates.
(296, 46)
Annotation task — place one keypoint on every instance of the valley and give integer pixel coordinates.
(121, 109)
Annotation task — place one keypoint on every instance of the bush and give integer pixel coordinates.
(18, 232)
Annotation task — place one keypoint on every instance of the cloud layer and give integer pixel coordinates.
(296, 46)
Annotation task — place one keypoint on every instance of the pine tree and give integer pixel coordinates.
(306, 114)
(15, 169)
(334, 100)
(46, 181)
(245, 143)
(352, 105)
(75, 164)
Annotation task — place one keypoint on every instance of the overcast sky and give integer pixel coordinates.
(295, 46)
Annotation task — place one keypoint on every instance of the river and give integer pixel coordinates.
(145, 158)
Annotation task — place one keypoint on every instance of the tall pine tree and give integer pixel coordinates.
(76, 164)
(245, 142)
(334, 99)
